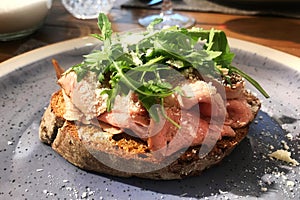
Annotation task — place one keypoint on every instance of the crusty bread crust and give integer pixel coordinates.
(63, 136)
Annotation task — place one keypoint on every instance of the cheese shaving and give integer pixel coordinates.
(284, 156)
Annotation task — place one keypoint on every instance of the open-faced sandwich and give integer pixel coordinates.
(158, 104)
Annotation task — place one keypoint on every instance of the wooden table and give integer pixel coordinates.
(279, 33)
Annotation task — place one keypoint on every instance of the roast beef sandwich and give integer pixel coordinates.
(157, 104)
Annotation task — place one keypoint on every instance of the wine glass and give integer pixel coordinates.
(169, 17)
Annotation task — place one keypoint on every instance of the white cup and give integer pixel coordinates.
(20, 18)
(88, 9)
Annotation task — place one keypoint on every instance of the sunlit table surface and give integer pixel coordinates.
(280, 33)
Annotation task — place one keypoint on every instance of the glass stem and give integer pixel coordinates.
(166, 8)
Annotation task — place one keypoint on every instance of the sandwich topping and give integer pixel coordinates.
(172, 88)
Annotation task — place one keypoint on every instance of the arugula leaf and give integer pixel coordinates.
(144, 64)
(251, 80)
(105, 26)
(153, 23)
(80, 71)
(217, 41)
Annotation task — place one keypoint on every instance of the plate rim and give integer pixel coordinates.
(38, 54)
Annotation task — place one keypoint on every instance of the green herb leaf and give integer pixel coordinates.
(251, 80)
(153, 23)
(105, 27)
(80, 71)
(144, 65)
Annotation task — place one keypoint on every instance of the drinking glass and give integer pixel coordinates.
(87, 9)
(169, 17)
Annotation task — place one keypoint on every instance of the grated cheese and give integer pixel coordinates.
(284, 155)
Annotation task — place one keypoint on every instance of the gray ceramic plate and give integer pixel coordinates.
(31, 170)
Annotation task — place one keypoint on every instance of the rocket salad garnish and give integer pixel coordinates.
(143, 65)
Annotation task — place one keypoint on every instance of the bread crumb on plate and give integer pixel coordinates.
(284, 155)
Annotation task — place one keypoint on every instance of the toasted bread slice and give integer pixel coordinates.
(92, 152)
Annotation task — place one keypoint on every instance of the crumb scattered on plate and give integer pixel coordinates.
(284, 155)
